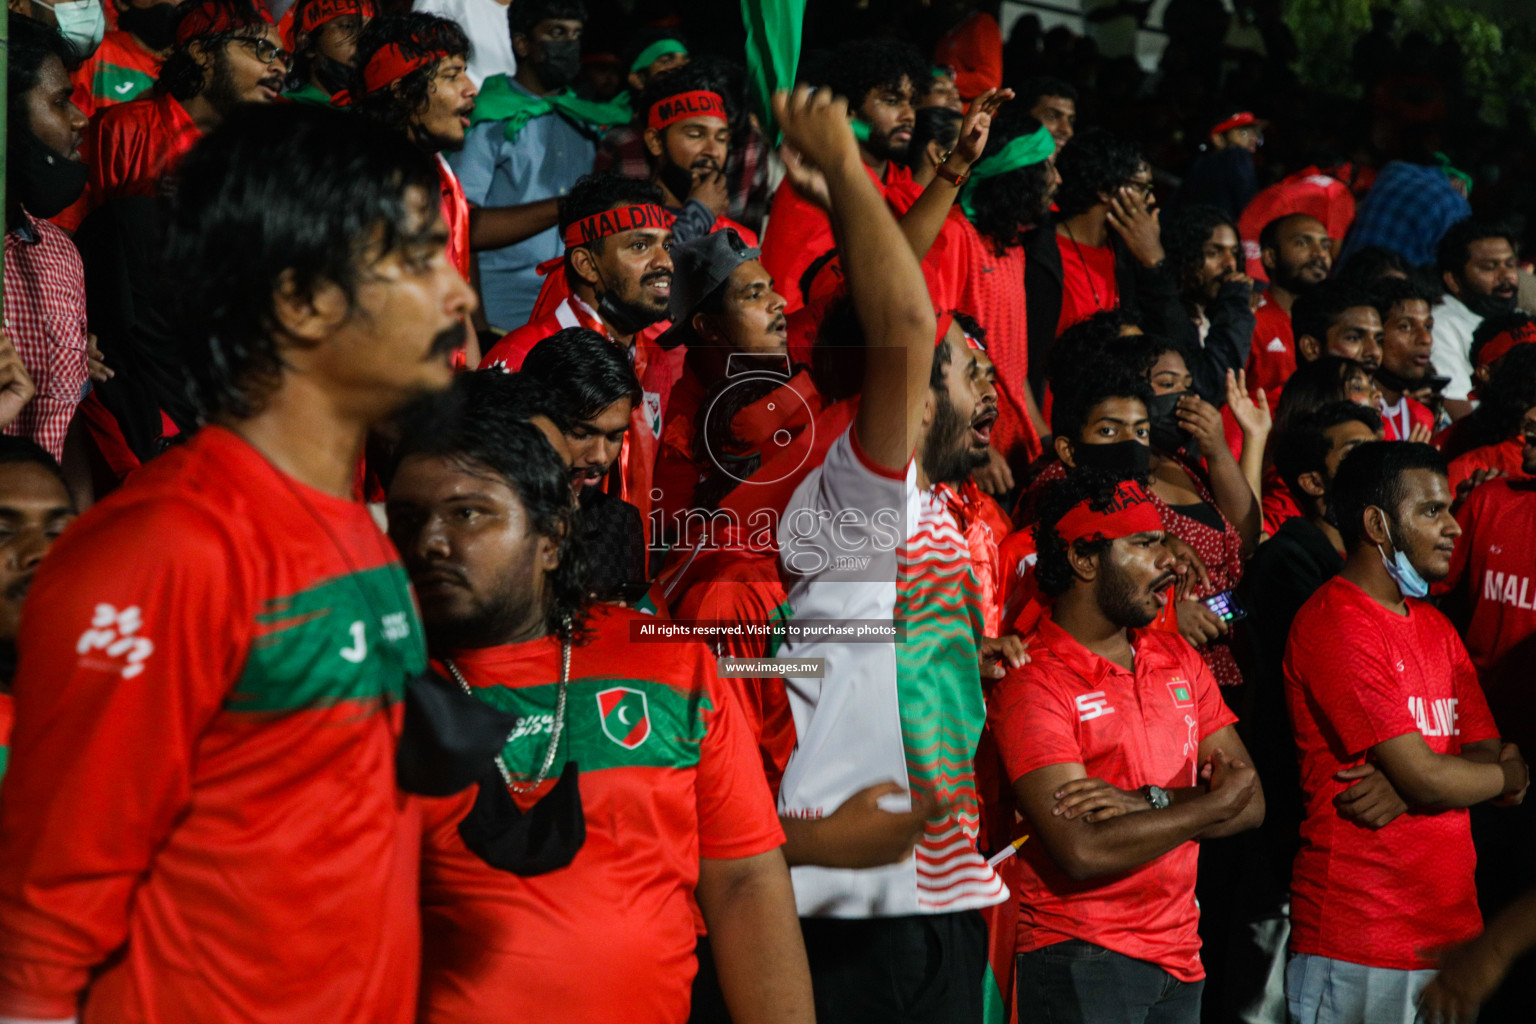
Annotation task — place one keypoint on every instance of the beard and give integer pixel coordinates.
(1121, 601)
(1289, 277)
(948, 457)
(1486, 306)
(489, 620)
(881, 147)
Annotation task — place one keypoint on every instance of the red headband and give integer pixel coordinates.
(389, 64)
(684, 105)
(1502, 342)
(1240, 120)
(1130, 511)
(611, 222)
(318, 12)
(214, 17)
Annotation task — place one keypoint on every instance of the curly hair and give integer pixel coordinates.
(1092, 163)
(182, 76)
(1070, 407)
(1082, 347)
(1503, 401)
(860, 67)
(1007, 205)
(278, 189)
(1053, 571)
(417, 35)
(1184, 237)
(478, 425)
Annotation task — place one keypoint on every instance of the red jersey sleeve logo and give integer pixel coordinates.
(1093, 705)
(1183, 694)
(113, 633)
(625, 716)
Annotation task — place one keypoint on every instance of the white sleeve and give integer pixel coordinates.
(1451, 356)
(848, 517)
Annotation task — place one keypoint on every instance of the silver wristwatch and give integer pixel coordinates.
(1157, 796)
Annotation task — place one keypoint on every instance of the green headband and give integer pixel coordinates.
(1456, 175)
(660, 48)
(1024, 151)
(860, 129)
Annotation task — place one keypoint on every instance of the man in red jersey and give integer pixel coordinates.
(217, 652)
(878, 78)
(1375, 675)
(1297, 255)
(227, 52)
(127, 62)
(1408, 324)
(670, 785)
(1122, 754)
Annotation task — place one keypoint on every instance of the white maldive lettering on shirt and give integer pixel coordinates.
(1093, 705)
(112, 631)
(532, 725)
(1435, 717)
(1515, 591)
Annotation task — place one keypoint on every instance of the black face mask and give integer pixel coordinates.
(1125, 459)
(1162, 416)
(542, 839)
(561, 63)
(45, 182)
(448, 739)
(332, 74)
(155, 26)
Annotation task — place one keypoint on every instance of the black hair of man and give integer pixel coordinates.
(1372, 263)
(862, 66)
(417, 35)
(599, 192)
(1314, 385)
(837, 358)
(524, 15)
(278, 190)
(1070, 408)
(591, 371)
(1391, 292)
(29, 48)
(1455, 249)
(934, 124)
(1094, 164)
(1504, 400)
(695, 76)
(1035, 89)
(1079, 348)
(182, 76)
(478, 425)
(1008, 205)
(14, 450)
(1185, 233)
(1371, 476)
(1318, 309)
(1493, 326)
(1269, 234)
(1304, 445)
(1053, 570)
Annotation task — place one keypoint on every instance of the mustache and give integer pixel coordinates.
(18, 591)
(1167, 579)
(441, 571)
(446, 341)
(656, 275)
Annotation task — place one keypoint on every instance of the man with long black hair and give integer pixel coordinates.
(657, 761)
(202, 821)
(324, 36)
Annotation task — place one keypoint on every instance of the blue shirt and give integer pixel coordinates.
(545, 161)
(1407, 209)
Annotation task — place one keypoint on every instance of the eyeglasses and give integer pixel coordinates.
(1146, 188)
(267, 52)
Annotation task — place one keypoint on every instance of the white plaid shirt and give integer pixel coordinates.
(45, 319)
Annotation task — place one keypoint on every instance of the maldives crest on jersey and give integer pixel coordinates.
(1183, 693)
(626, 718)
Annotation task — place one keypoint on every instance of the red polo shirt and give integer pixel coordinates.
(1130, 729)
(1358, 674)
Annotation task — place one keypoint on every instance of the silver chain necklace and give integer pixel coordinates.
(555, 729)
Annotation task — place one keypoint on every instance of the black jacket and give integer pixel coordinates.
(1228, 340)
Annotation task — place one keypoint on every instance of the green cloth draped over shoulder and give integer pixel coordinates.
(499, 101)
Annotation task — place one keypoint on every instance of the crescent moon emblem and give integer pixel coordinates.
(623, 709)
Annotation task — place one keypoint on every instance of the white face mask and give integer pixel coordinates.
(82, 23)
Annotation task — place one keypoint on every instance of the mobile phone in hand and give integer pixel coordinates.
(1226, 605)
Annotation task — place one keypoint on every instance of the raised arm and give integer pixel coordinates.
(884, 279)
(922, 223)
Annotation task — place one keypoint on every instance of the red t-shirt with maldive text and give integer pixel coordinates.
(1358, 674)
(1495, 561)
(1131, 729)
(200, 819)
(669, 773)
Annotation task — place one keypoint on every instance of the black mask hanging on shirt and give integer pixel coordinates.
(561, 62)
(542, 839)
(1125, 459)
(155, 26)
(448, 738)
(332, 74)
(1163, 419)
(45, 182)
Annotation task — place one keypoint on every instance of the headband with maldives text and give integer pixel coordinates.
(213, 18)
(1129, 512)
(611, 222)
(684, 105)
(318, 12)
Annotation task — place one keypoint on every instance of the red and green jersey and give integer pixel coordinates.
(669, 774)
(201, 821)
(120, 70)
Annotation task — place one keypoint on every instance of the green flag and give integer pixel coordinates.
(498, 101)
(773, 51)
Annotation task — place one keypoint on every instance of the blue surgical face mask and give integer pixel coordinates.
(83, 23)
(1409, 582)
